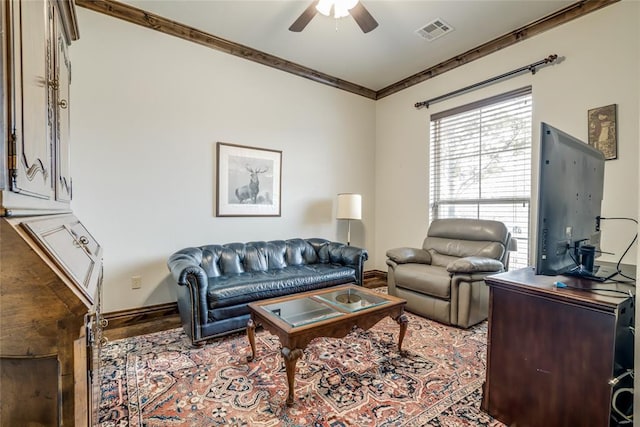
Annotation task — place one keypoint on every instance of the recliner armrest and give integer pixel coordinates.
(475, 264)
(409, 255)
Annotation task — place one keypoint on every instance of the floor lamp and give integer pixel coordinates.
(349, 207)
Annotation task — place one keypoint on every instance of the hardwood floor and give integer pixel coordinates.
(162, 317)
(375, 279)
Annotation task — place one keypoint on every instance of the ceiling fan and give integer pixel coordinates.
(341, 8)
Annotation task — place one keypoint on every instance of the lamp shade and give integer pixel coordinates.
(349, 206)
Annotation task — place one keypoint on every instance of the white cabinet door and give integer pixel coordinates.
(33, 121)
(63, 67)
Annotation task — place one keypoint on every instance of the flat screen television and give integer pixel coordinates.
(570, 187)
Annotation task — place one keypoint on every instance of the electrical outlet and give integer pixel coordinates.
(136, 282)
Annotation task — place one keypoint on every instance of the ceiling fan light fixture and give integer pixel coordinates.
(324, 7)
(340, 7)
(339, 11)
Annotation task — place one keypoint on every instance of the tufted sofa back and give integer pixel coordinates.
(235, 258)
(449, 239)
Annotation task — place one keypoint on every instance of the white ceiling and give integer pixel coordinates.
(386, 55)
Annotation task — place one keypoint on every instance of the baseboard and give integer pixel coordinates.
(162, 317)
(142, 320)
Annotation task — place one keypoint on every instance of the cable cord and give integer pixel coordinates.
(575, 261)
(628, 247)
(627, 418)
(627, 294)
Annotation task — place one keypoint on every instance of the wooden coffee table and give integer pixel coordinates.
(297, 319)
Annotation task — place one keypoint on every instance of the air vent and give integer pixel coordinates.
(434, 29)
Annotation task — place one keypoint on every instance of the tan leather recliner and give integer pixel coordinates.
(444, 280)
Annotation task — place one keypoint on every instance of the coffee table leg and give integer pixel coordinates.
(290, 359)
(403, 321)
(251, 334)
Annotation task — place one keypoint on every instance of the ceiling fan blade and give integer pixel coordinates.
(304, 18)
(363, 18)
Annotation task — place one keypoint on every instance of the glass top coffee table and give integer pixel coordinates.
(333, 312)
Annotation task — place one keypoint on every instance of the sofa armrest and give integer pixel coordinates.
(192, 283)
(187, 272)
(350, 256)
(184, 265)
(184, 271)
(409, 255)
(475, 264)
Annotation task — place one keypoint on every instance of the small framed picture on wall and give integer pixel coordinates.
(603, 130)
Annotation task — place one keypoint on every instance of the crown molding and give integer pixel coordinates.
(155, 22)
(167, 26)
(556, 19)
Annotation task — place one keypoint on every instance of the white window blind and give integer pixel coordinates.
(481, 164)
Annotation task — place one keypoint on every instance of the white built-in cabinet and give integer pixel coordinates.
(36, 84)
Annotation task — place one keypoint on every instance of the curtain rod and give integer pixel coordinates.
(531, 67)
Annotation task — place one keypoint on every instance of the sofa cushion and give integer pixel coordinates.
(425, 279)
(474, 264)
(464, 248)
(246, 287)
(300, 252)
(236, 258)
(440, 260)
(469, 229)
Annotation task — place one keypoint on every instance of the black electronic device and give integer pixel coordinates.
(570, 189)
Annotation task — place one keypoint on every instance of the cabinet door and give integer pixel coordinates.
(31, 23)
(66, 240)
(63, 68)
(550, 361)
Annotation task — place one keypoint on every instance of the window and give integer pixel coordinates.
(481, 164)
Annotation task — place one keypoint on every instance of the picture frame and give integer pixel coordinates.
(248, 181)
(603, 130)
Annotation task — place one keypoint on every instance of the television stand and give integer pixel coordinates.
(552, 352)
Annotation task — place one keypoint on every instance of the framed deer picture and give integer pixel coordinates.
(248, 181)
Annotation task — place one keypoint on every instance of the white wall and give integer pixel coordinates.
(147, 111)
(600, 67)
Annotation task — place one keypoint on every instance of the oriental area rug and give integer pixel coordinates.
(160, 379)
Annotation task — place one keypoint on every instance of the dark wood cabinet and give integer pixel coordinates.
(50, 321)
(554, 353)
